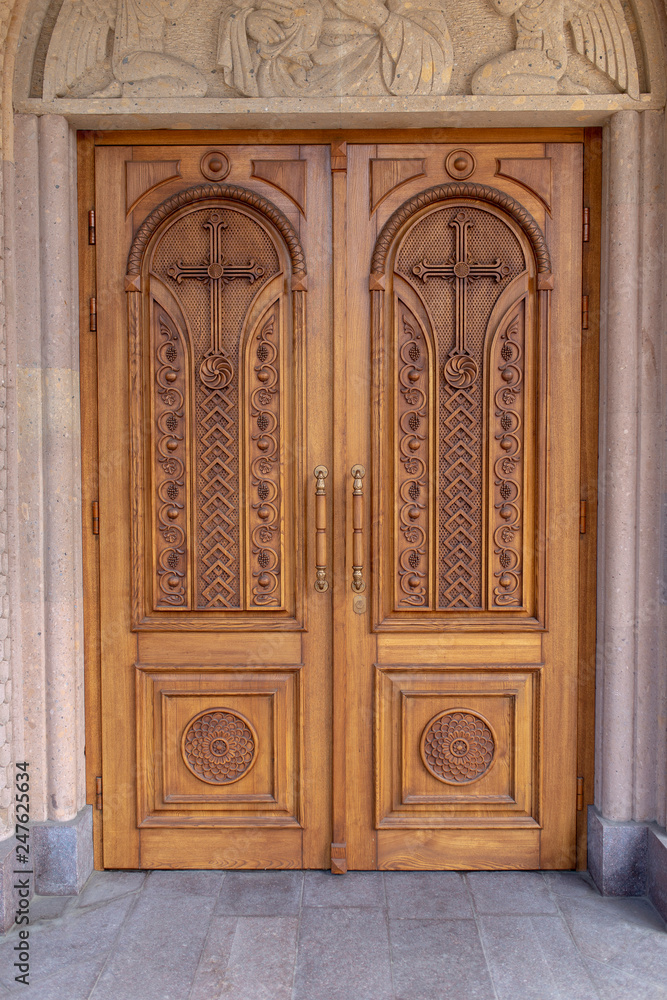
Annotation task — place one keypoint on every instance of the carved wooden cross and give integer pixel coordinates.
(216, 369)
(461, 370)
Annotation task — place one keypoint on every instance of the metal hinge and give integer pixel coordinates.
(98, 793)
(584, 312)
(580, 794)
(587, 225)
(93, 314)
(583, 511)
(96, 517)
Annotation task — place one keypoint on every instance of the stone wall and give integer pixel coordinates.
(45, 551)
(6, 742)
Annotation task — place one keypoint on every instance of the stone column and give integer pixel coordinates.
(619, 471)
(47, 574)
(631, 687)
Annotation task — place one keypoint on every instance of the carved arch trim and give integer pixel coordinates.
(205, 191)
(449, 192)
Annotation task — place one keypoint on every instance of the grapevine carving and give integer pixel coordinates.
(507, 468)
(202, 192)
(171, 561)
(449, 192)
(457, 746)
(265, 468)
(219, 746)
(413, 449)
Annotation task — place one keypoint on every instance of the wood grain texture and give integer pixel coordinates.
(222, 721)
(396, 737)
(89, 488)
(590, 368)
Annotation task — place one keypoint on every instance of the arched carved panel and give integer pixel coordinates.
(460, 333)
(212, 304)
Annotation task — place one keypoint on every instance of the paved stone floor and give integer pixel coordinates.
(365, 936)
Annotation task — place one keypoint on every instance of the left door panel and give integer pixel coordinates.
(215, 646)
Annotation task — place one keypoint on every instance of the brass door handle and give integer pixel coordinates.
(358, 472)
(321, 584)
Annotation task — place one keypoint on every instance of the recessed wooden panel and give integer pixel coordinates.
(390, 174)
(457, 749)
(142, 177)
(532, 174)
(217, 747)
(461, 336)
(288, 176)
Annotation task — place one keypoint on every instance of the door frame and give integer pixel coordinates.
(592, 181)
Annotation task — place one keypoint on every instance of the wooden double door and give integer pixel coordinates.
(373, 664)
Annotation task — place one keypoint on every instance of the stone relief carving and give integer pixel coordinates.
(539, 62)
(137, 62)
(277, 48)
(320, 48)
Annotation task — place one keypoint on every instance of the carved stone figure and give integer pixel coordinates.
(115, 48)
(539, 63)
(276, 48)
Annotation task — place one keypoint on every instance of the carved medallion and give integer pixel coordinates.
(214, 165)
(460, 164)
(457, 746)
(219, 746)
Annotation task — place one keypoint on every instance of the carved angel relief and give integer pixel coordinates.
(540, 61)
(117, 48)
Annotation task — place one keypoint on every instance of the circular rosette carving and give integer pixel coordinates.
(219, 746)
(216, 371)
(460, 164)
(214, 165)
(460, 371)
(458, 746)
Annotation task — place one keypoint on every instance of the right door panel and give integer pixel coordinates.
(473, 443)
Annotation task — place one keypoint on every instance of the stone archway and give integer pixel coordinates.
(41, 565)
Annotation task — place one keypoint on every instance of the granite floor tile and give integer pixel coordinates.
(214, 958)
(259, 964)
(646, 959)
(260, 894)
(615, 984)
(427, 895)
(158, 949)
(59, 948)
(102, 886)
(578, 884)
(192, 883)
(342, 954)
(427, 955)
(534, 958)
(519, 893)
(50, 907)
(606, 930)
(353, 889)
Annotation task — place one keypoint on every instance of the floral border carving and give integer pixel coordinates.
(448, 192)
(200, 193)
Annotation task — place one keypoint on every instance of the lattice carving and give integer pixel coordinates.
(449, 192)
(170, 466)
(457, 746)
(507, 462)
(228, 256)
(219, 746)
(413, 467)
(207, 192)
(459, 259)
(265, 464)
